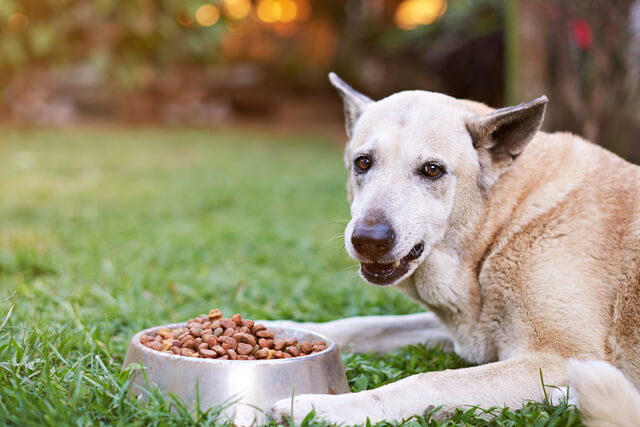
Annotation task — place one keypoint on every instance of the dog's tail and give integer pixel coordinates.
(605, 396)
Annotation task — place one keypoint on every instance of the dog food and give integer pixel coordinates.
(213, 336)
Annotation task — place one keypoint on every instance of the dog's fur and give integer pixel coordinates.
(531, 258)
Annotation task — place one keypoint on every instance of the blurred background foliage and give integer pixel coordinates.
(230, 62)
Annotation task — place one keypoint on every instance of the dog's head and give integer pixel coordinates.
(418, 162)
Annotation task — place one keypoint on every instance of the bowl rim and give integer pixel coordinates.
(135, 341)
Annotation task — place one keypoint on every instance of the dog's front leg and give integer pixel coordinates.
(509, 383)
(380, 333)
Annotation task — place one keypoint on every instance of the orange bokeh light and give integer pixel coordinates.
(236, 9)
(207, 15)
(412, 13)
(184, 19)
(269, 11)
(18, 22)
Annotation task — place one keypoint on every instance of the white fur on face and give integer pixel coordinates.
(401, 134)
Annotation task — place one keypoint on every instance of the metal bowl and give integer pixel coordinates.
(245, 388)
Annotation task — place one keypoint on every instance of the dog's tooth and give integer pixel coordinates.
(396, 264)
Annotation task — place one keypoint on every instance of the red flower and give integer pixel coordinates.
(582, 33)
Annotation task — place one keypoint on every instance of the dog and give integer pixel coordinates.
(523, 245)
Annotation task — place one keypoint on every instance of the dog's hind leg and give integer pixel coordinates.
(381, 333)
(510, 383)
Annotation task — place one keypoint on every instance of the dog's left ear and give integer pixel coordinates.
(354, 102)
(504, 133)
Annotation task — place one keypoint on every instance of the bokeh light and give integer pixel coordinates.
(283, 11)
(413, 13)
(269, 11)
(289, 10)
(18, 22)
(236, 9)
(184, 19)
(207, 15)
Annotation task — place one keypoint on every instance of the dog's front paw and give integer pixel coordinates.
(294, 410)
(346, 409)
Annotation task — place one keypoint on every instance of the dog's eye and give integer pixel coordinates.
(362, 163)
(432, 170)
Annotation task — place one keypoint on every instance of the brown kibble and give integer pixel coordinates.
(211, 340)
(164, 332)
(227, 323)
(267, 333)
(218, 349)
(187, 352)
(235, 338)
(258, 327)
(208, 353)
(292, 350)
(154, 345)
(237, 319)
(291, 341)
(230, 341)
(186, 337)
(215, 324)
(265, 343)
(215, 314)
(244, 349)
(245, 338)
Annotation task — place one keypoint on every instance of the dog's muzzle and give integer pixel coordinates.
(386, 274)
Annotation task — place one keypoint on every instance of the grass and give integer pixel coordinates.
(106, 232)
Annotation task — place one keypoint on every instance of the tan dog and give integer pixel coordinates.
(524, 245)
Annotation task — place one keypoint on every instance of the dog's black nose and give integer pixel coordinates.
(373, 240)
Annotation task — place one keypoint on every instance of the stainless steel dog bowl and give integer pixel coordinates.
(245, 388)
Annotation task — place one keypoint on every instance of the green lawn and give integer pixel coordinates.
(106, 232)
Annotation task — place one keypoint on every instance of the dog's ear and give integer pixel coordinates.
(504, 133)
(354, 102)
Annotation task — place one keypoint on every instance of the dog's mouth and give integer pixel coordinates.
(386, 274)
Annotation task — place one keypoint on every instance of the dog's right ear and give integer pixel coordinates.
(504, 133)
(354, 102)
